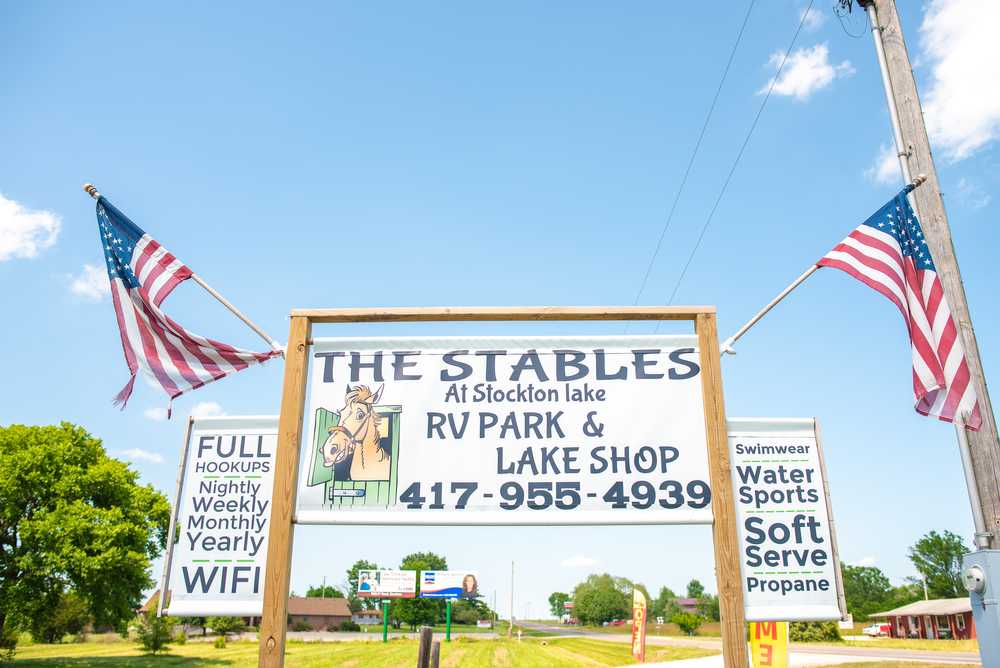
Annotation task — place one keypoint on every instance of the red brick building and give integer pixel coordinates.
(940, 619)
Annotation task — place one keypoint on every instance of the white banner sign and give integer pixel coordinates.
(539, 430)
(387, 584)
(221, 516)
(449, 584)
(789, 560)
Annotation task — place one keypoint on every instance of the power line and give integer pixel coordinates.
(739, 155)
(694, 153)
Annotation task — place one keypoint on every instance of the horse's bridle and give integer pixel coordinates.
(354, 441)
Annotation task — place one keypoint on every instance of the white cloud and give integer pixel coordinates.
(91, 283)
(578, 561)
(971, 194)
(806, 71)
(866, 561)
(812, 19)
(156, 414)
(206, 409)
(144, 455)
(884, 170)
(962, 102)
(23, 232)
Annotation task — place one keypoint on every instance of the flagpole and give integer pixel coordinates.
(277, 347)
(727, 345)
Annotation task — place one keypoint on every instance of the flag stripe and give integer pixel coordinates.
(889, 254)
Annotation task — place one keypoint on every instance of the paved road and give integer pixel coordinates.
(867, 653)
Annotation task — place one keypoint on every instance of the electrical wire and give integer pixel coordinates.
(739, 155)
(694, 153)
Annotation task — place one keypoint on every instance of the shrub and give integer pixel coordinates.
(226, 625)
(301, 626)
(688, 622)
(153, 632)
(68, 616)
(814, 632)
(8, 643)
(349, 625)
(181, 638)
(220, 642)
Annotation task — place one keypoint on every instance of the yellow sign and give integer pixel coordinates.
(638, 626)
(769, 644)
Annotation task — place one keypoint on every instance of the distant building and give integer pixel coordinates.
(687, 605)
(943, 618)
(319, 613)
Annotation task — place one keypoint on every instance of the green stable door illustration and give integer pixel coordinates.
(355, 451)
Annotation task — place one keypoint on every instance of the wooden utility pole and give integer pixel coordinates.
(915, 158)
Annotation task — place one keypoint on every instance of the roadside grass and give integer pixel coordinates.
(461, 652)
(901, 664)
(708, 630)
(904, 643)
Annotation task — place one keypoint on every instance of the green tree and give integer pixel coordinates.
(223, 626)
(695, 589)
(938, 558)
(70, 616)
(866, 589)
(153, 632)
(665, 604)
(417, 611)
(324, 591)
(602, 598)
(708, 607)
(556, 600)
(73, 518)
(814, 632)
(688, 622)
(356, 603)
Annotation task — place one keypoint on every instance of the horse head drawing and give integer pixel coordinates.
(358, 435)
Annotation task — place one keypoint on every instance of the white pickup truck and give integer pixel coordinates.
(876, 630)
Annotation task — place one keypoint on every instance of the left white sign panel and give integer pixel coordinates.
(217, 563)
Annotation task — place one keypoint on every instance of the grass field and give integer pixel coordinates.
(464, 653)
(708, 629)
(901, 643)
(901, 664)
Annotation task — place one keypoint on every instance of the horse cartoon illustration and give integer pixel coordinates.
(357, 436)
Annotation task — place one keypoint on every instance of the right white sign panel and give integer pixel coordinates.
(789, 562)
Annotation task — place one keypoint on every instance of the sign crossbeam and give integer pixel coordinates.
(290, 436)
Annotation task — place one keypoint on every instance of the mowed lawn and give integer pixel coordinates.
(902, 664)
(466, 653)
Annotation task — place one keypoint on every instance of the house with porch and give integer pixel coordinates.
(939, 619)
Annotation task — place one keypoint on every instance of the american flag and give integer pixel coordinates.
(889, 254)
(142, 274)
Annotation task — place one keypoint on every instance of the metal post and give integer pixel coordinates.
(510, 626)
(385, 620)
(447, 627)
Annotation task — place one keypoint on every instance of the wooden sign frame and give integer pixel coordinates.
(279, 551)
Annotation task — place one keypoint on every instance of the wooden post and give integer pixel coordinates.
(286, 466)
(725, 537)
(436, 654)
(916, 154)
(424, 653)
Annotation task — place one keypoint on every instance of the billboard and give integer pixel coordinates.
(789, 563)
(387, 584)
(215, 565)
(449, 584)
(505, 430)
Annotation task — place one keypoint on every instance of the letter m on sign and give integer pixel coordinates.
(766, 630)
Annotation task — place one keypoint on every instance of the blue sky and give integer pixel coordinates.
(346, 154)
